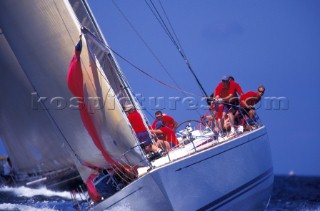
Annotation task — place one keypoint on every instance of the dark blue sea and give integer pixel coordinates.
(289, 193)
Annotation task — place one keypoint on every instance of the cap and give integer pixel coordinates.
(128, 107)
(225, 78)
(159, 124)
(231, 77)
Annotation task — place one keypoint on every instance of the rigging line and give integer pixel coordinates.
(168, 33)
(108, 48)
(157, 15)
(150, 76)
(174, 38)
(170, 25)
(182, 53)
(144, 42)
(148, 47)
(165, 28)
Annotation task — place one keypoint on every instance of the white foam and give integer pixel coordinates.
(8, 206)
(31, 192)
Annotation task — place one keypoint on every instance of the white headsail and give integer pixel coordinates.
(40, 122)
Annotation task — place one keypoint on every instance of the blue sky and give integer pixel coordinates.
(271, 42)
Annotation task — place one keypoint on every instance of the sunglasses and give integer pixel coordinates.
(262, 92)
(158, 117)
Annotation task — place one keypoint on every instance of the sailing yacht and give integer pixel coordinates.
(49, 124)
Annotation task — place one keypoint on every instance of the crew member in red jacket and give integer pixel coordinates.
(166, 138)
(166, 120)
(249, 100)
(222, 95)
(139, 127)
(237, 91)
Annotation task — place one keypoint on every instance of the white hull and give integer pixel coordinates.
(234, 175)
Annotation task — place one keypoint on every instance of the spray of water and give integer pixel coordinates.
(36, 199)
(30, 192)
(8, 206)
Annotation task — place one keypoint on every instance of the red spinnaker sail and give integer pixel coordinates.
(75, 84)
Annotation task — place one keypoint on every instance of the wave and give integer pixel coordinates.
(31, 192)
(9, 206)
(36, 199)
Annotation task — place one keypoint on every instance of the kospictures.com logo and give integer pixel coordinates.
(153, 102)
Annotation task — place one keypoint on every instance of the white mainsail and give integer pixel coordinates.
(32, 141)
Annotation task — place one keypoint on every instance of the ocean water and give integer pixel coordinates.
(295, 193)
(289, 193)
